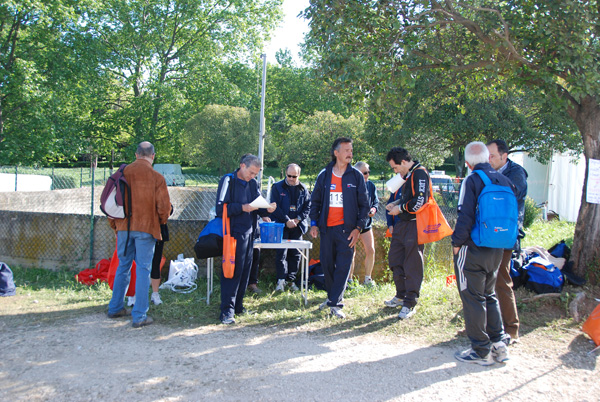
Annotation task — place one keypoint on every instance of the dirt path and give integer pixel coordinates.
(92, 358)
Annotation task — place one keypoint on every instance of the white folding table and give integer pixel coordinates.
(304, 246)
(301, 245)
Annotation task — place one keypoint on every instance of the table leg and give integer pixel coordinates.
(304, 289)
(209, 278)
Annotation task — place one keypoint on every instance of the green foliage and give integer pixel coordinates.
(219, 135)
(88, 77)
(309, 144)
(532, 212)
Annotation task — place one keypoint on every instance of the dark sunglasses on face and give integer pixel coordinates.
(367, 173)
(291, 177)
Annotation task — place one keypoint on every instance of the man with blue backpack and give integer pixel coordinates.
(486, 225)
(504, 285)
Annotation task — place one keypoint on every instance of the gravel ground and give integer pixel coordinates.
(93, 358)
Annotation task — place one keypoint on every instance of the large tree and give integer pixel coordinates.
(170, 57)
(435, 121)
(38, 78)
(551, 46)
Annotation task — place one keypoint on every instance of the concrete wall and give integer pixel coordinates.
(49, 240)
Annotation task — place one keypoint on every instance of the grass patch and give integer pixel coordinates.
(47, 296)
(548, 233)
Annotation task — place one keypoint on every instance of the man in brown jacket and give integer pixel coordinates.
(150, 207)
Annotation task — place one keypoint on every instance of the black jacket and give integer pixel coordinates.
(293, 202)
(470, 189)
(409, 201)
(354, 193)
(373, 201)
(518, 177)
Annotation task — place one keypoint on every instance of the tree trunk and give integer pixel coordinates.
(459, 161)
(586, 242)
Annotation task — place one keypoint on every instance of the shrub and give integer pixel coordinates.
(532, 212)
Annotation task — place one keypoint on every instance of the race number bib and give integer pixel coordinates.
(336, 200)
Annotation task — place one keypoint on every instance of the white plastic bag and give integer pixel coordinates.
(183, 273)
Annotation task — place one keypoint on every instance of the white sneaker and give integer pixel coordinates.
(406, 312)
(337, 312)
(323, 305)
(280, 285)
(394, 302)
(130, 301)
(369, 281)
(294, 288)
(470, 356)
(499, 352)
(155, 298)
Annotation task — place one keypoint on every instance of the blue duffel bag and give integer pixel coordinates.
(543, 276)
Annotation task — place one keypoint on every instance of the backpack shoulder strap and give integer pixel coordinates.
(486, 180)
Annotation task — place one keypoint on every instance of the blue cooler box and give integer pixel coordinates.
(271, 232)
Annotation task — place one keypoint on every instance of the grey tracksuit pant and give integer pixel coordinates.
(476, 270)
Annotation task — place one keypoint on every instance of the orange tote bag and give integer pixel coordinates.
(591, 326)
(431, 222)
(229, 246)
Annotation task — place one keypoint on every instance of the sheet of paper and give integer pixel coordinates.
(260, 202)
(593, 184)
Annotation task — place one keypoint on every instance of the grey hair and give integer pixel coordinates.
(251, 160)
(294, 165)
(361, 164)
(145, 149)
(476, 152)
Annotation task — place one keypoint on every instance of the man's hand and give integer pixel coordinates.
(273, 207)
(455, 250)
(393, 209)
(266, 219)
(314, 232)
(372, 212)
(291, 224)
(354, 236)
(248, 208)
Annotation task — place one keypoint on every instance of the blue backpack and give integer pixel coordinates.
(496, 222)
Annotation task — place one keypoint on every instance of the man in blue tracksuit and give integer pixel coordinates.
(238, 190)
(366, 235)
(476, 267)
(504, 284)
(293, 204)
(339, 209)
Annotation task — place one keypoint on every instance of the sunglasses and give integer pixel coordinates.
(366, 173)
(291, 177)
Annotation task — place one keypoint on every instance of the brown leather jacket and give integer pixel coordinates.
(150, 203)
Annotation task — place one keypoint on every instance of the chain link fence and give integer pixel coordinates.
(53, 219)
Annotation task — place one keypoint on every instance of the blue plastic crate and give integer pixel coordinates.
(271, 232)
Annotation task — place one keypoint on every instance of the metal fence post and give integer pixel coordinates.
(92, 219)
(16, 175)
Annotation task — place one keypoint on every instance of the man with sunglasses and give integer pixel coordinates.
(293, 204)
